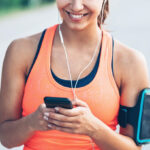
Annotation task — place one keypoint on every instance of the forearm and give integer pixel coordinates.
(107, 139)
(15, 133)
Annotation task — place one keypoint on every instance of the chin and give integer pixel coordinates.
(76, 26)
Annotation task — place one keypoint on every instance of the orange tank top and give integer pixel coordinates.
(101, 95)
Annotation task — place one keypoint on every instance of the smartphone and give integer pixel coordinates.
(52, 102)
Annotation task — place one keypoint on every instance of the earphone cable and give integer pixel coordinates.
(68, 66)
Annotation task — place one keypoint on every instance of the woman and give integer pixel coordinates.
(32, 71)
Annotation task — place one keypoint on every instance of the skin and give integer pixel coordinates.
(78, 120)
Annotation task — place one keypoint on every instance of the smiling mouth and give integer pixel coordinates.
(76, 16)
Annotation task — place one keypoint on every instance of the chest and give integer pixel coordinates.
(77, 61)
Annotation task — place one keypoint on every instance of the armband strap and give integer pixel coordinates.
(138, 116)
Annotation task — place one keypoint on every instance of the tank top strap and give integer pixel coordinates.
(41, 55)
(46, 45)
(109, 56)
(48, 39)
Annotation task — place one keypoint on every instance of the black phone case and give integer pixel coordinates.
(52, 102)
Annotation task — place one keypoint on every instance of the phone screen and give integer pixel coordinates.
(145, 123)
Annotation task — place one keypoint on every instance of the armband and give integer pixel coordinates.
(138, 116)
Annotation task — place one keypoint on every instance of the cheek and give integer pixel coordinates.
(95, 6)
(62, 4)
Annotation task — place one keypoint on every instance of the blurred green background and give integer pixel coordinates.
(9, 6)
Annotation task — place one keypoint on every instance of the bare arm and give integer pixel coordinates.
(15, 130)
(134, 77)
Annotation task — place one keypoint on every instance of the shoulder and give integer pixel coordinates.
(20, 52)
(128, 58)
(132, 71)
(127, 55)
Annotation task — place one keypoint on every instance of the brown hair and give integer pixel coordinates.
(104, 13)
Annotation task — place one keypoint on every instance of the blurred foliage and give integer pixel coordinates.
(22, 3)
(9, 6)
(9, 3)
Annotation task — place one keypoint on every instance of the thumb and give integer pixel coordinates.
(42, 107)
(78, 102)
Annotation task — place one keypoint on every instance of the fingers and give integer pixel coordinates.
(63, 129)
(44, 109)
(69, 112)
(79, 102)
(39, 119)
(59, 117)
(62, 124)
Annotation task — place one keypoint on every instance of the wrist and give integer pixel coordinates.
(95, 128)
(101, 132)
(30, 123)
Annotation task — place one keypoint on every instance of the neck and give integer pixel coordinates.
(89, 35)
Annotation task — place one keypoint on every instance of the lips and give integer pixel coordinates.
(76, 16)
(84, 14)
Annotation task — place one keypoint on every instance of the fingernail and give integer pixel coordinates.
(46, 114)
(57, 109)
(43, 105)
(46, 118)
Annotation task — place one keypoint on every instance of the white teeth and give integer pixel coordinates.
(76, 16)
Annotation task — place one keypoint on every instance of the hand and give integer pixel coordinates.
(38, 120)
(78, 120)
